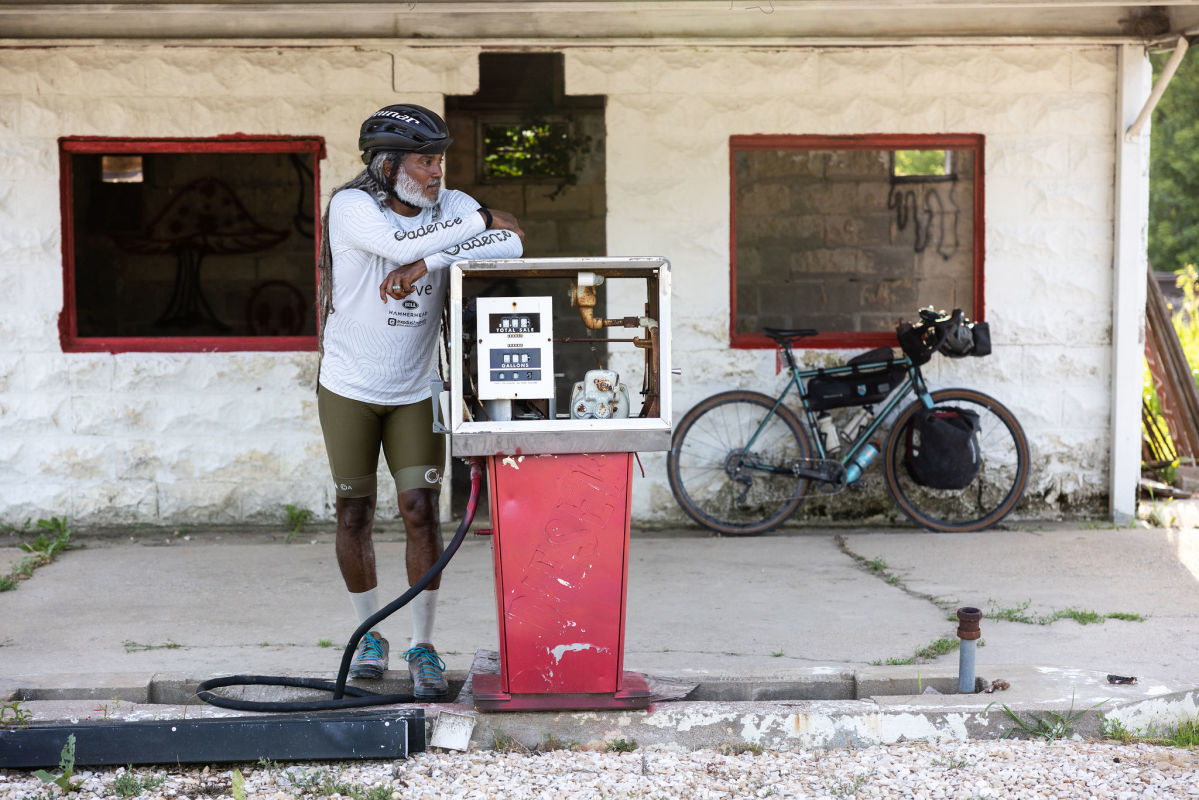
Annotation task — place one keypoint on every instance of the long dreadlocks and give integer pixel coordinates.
(372, 181)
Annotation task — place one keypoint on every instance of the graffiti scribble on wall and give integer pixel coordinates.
(928, 215)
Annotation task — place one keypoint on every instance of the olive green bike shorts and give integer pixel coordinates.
(354, 431)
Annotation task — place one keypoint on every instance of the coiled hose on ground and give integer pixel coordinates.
(358, 698)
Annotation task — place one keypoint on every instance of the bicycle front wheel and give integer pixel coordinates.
(995, 490)
(731, 464)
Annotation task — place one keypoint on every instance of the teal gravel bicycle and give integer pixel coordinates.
(742, 462)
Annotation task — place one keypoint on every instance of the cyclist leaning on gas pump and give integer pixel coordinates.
(389, 235)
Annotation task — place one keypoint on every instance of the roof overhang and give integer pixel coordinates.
(564, 22)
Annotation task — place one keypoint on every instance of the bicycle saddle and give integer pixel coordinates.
(786, 334)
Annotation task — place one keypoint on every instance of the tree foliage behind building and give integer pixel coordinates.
(1174, 169)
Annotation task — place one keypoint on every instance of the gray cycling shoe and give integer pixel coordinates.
(428, 673)
(371, 661)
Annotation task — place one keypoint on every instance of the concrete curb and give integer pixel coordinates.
(803, 709)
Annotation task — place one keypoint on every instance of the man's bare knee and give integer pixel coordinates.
(419, 507)
(355, 515)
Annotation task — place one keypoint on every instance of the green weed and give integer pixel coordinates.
(620, 745)
(1050, 726)
(935, 648)
(137, 647)
(12, 715)
(778, 653)
(130, 784)
(504, 743)
(239, 785)
(552, 742)
(849, 788)
(54, 541)
(42, 550)
(297, 518)
(1011, 614)
(1083, 616)
(103, 707)
(66, 766)
(325, 643)
(1111, 728)
(325, 784)
(1184, 734)
(13, 530)
(939, 647)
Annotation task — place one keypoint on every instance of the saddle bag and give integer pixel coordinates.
(856, 388)
(943, 449)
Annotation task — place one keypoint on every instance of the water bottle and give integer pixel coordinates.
(857, 423)
(828, 432)
(860, 460)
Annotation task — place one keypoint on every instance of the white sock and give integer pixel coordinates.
(424, 609)
(365, 603)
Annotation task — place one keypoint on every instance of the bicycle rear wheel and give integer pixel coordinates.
(995, 490)
(727, 483)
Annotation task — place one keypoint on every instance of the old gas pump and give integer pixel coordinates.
(560, 480)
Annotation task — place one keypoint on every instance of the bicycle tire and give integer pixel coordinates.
(994, 492)
(707, 473)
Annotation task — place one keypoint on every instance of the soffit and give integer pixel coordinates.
(562, 22)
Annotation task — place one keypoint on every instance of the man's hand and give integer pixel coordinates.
(503, 221)
(399, 283)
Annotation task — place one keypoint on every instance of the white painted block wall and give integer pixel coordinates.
(1048, 117)
(208, 438)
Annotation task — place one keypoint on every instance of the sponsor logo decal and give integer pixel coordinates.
(425, 230)
(492, 237)
(432, 476)
(396, 115)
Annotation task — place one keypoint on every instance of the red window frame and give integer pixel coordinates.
(69, 146)
(848, 339)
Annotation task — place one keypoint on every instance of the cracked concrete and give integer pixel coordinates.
(768, 627)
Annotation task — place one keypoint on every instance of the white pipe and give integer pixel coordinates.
(1159, 88)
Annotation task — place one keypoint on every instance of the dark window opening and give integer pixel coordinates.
(851, 235)
(189, 244)
(523, 145)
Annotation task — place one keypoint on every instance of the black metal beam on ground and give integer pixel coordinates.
(390, 734)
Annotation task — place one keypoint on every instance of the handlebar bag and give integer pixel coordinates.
(856, 388)
(943, 448)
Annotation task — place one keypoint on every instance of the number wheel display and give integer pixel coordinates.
(729, 479)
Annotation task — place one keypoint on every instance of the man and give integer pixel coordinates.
(383, 284)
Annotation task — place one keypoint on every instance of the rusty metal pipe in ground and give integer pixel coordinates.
(968, 632)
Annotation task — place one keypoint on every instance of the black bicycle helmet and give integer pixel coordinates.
(404, 128)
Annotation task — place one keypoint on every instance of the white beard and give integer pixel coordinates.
(411, 192)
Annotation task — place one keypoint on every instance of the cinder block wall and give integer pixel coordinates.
(209, 438)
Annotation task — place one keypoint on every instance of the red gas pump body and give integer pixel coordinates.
(560, 541)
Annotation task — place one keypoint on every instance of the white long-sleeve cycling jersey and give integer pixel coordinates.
(384, 352)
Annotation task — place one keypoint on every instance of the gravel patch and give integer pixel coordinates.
(974, 769)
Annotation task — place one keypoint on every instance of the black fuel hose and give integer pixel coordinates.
(357, 698)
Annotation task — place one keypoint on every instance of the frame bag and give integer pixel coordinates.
(943, 447)
(860, 387)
